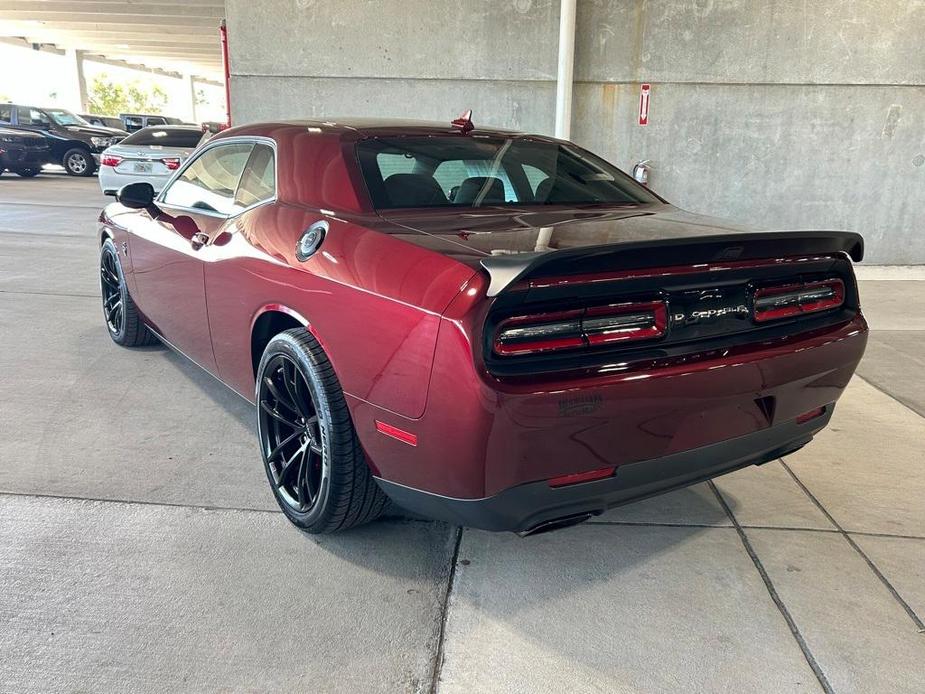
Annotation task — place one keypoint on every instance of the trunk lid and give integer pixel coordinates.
(636, 285)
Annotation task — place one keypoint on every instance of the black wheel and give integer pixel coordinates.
(312, 457)
(122, 320)
(28, 173)
(78, 162)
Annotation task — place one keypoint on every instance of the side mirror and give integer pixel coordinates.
(136, 196)
(641, 172)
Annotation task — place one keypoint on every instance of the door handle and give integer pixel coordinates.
(198, 240)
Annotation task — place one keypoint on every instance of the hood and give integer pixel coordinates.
(95, 131)
(472, 235)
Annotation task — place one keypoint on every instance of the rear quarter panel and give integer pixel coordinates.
(372, 300)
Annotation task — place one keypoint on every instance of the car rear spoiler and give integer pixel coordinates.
(504, 270)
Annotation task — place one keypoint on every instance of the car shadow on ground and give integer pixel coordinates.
(352, 545)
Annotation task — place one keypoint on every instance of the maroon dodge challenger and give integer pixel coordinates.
(492, 328)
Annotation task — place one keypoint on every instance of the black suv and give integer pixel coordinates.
(72, 142)
(22, 152)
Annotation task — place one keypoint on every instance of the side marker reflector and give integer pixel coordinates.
(396, 433)
(812, 414)
(578, 477)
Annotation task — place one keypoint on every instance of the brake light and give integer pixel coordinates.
(545, 332)
(171, 163)
(110, 160)
(785, 301)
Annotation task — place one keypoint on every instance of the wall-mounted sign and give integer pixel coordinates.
(644, 90)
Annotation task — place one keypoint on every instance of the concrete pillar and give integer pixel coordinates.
(76, 97)
(189, 84)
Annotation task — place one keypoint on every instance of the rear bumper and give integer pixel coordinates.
(527, 506)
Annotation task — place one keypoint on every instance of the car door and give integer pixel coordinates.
(165, 244)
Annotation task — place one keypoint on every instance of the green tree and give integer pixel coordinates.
(109, 98)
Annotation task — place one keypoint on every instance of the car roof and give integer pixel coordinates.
(363, 126)
(170, 126)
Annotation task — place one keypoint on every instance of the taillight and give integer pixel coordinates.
(110, 160)
(545, 332)
(171, 163)
(785, 301)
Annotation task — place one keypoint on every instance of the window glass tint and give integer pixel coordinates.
(32, 116)
(210, 181)
(62, 117)
(480, 171)
(6, 114)
(394, 163)
(534, 176)
(258, 183)
(165, 136)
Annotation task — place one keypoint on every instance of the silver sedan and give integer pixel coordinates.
(150, 155)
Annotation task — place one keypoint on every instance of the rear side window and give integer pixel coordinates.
(6, 114)
(210, 181)
(166, 137)
(32, 116)
(258, 183)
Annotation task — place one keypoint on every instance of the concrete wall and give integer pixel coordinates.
(783, 114)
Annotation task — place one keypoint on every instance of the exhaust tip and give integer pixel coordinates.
(555, 524)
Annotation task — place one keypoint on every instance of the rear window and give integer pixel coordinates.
(476, 171)
(167, 137)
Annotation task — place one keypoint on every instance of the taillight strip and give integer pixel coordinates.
(545, 332)
(788, 300)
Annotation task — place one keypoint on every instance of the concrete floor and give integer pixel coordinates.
(140, 549)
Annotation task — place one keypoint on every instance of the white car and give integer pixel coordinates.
(150, 155)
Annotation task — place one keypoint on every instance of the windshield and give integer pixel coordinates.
(476, 171)
(165, 137)
(62, 117)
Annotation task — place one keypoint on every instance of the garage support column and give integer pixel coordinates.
(189, 83)
(77, 93)
(564, 81)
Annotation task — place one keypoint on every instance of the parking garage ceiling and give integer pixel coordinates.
(172, 35)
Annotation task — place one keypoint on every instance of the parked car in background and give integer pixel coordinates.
(72, 142)
(151, 154)
(492, 328)
(105, 121)
(136, 121)
(22, 152)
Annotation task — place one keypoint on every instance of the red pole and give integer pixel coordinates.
(223, 31)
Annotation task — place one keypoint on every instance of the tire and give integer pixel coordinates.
(28, 173)
(298, 391)
(119, 311)
(78, 162)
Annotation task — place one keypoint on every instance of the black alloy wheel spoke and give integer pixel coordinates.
(291, 434)
(266, 407)
(280, 399)
(111, 291)
(305, 480)
(291, 389)
(279, 447)
(284, 471)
